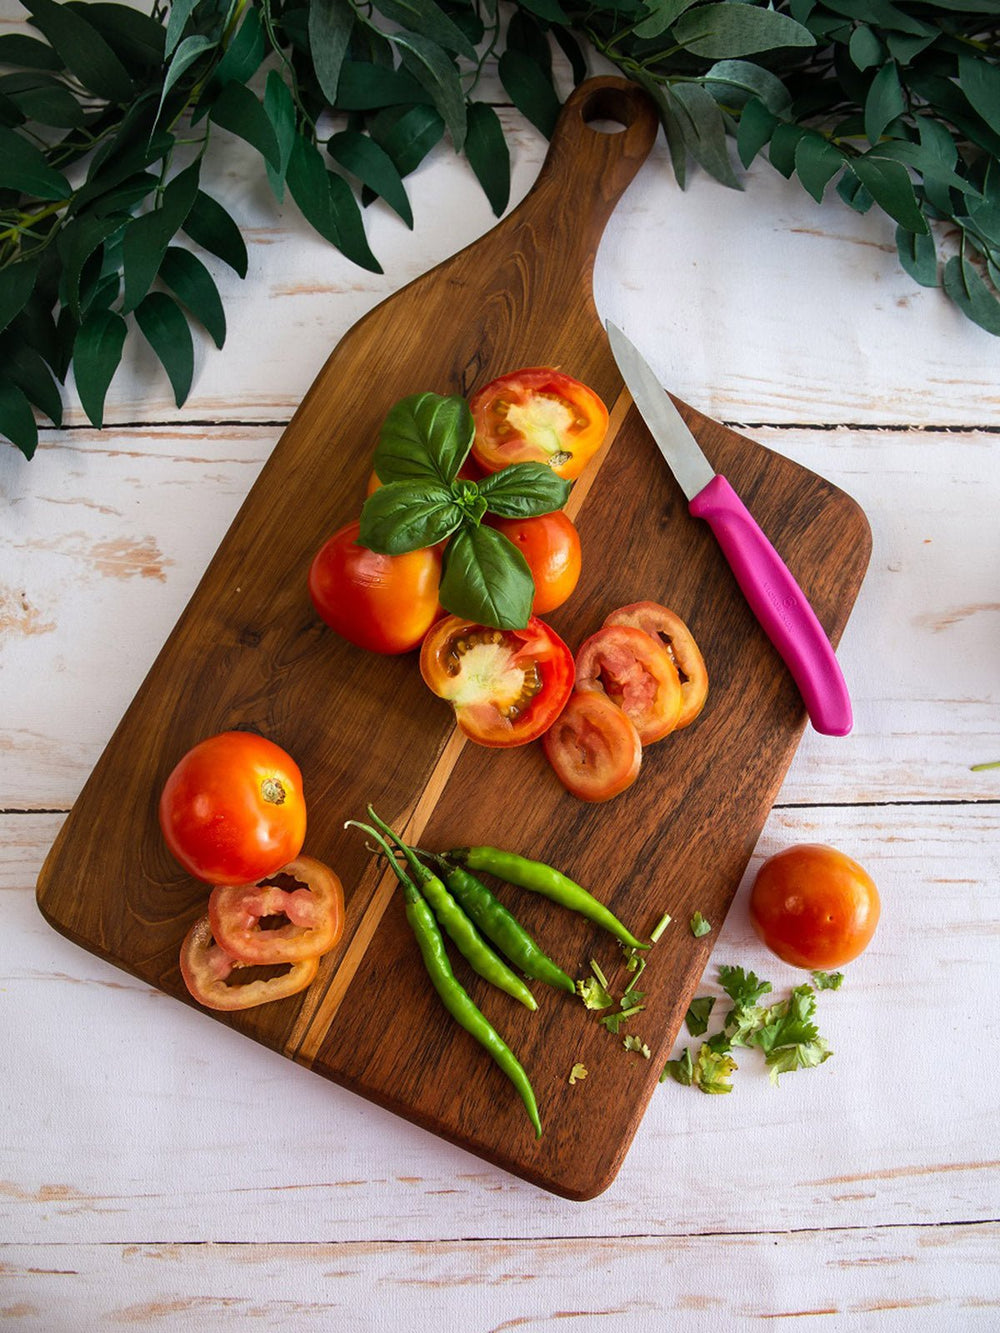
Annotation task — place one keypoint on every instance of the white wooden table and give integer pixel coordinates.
(158, 1171)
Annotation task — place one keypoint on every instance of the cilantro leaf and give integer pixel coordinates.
(827, 980)
(712, 1070)
(614, 1022)
(594, 991)
(788, 1036)
(681, 1071)
(698, 1014)
(577, 1073)
(743, 988)
(633, 1043)
(699, 926)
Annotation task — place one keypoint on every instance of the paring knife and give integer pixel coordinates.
(780, 605)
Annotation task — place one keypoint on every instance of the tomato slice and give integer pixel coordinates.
(593, 747)
(219, 981)
(294, 914)
(538, 415)
(679, 642)
(507, 686)
(636, 673)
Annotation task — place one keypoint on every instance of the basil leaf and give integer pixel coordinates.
(407, 516)
(486, 579)
(524, 490)
(425, 437)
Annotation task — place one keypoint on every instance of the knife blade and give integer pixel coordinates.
(779, 604)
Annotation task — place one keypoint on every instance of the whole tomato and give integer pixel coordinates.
(551, 545)
(232, 811)
(385, 603)
(813, 906)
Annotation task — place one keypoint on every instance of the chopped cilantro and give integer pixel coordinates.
(828, 980)
(743, 988)
(788, 1036)
(594, 991)
(660, 927)
(712, 1071)
(633, 1043)
(699, 926)
(698, 1014)
(577, 1073)
(613, 1022)
(681, 1071)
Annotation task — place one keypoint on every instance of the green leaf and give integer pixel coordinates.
(190, 281)
(550, 10)
(242, 57)
(699, 926)
(727, 29)
(890, 186)
(827, 980)
(147, 237)
(703, 127)
(83, 50)
(429, 20)
(884, 101)
(280, 109)
(486, 579)
(137, 39)
(162, 321)
(26, 52)
(349, 224)
(681, 1071)
(17, 421)
(327, 203)
(237, 109)
(23, 168)
(210, 226)
(330, 25)
(524, 490)
(784, 144)
(662, 14)
(854, 193)
(756, 126)
(17, 282)
(359, 154)
(970, 292)
(734, 82)
(817, 161)
(698, 1014)
(531, 90)
(77, 241)
(712, 1070)
(97, 353)
(43, 100)
(26, 368)
(865, 48)
(406, 516)
(435, 70)
(180, 12)
(486, 149)
(191, 49)
(425, 437)
(407, 134)
(980, 81)
(365, 87)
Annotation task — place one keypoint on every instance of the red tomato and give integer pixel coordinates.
(537, 415)
(551, 546)
(271, 923)
(507, 686)
(219, 981)
(679, 642)
(232, 811)
(813, 906)
(385, 603)
(593, 747)
(635, 672)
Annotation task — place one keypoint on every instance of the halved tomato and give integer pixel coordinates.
(538, 415)
(636, 673)
(507, 686)
(296, 913)
(593, 747)
(679, 642)
(219, 981)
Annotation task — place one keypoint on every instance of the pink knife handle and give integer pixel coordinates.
(780, 606)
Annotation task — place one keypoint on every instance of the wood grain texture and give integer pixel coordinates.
(248, 652)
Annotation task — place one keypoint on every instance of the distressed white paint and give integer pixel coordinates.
(862, 1194)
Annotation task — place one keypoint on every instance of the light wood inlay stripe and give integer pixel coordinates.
(309, 1032)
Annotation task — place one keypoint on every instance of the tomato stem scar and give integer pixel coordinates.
(272, 791)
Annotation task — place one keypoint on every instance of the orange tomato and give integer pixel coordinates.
(551, 545)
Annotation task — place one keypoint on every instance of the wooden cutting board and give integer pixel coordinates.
(248, 652)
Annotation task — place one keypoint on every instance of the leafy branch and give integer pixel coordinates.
(107, 114)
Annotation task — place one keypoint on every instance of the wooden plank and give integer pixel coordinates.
(909, 1029)
(924, 1278)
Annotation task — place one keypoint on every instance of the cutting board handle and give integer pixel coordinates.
(588, 168)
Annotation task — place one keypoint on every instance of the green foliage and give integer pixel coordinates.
(107, 116)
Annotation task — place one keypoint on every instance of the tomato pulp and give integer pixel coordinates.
(636, 672)
(294, 914)
(384, 603)
(233, 811)
(537, 415)
(668, 628)
(814, 906)
(593, 747)
(507, 687)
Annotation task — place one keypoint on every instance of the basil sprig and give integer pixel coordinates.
(423, 443)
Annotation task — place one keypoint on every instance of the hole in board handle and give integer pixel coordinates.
(609, 111)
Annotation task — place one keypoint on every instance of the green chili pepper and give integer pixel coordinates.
(450, 991)
(547, 881)
(503, 928)
(460, 930)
